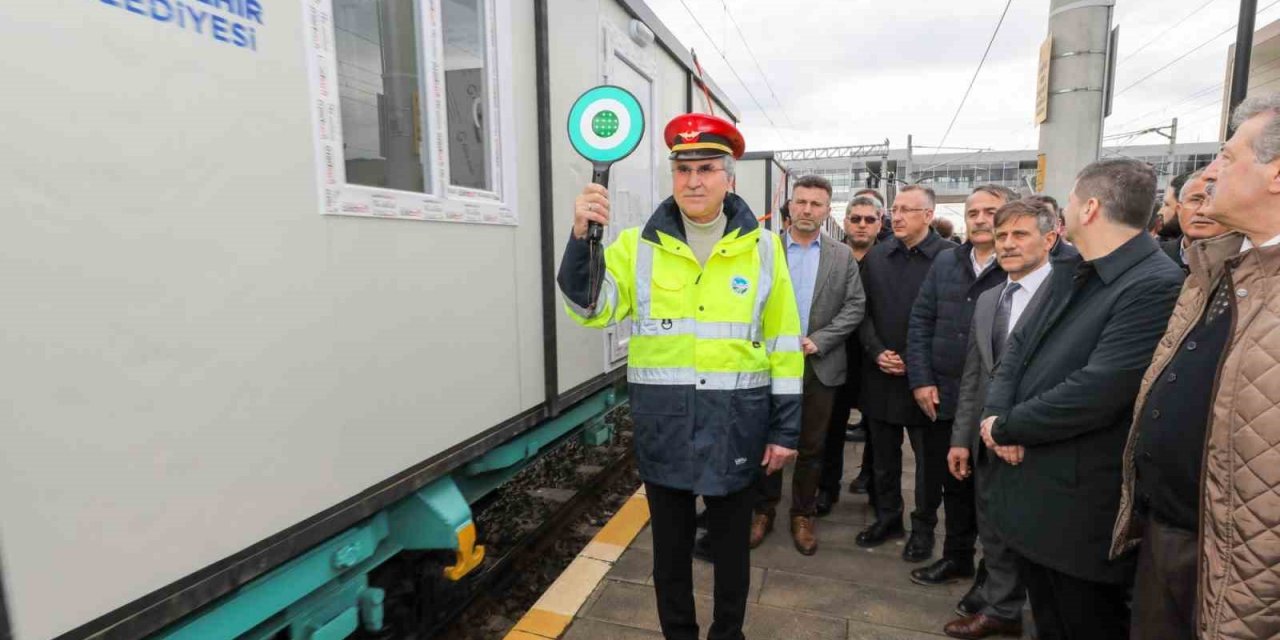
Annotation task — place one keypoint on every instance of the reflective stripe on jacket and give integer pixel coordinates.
(714, 361)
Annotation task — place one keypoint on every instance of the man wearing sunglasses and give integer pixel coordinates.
(862, 225)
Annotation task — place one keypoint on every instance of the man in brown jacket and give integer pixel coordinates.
(1201, 489)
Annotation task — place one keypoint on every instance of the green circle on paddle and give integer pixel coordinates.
(605, 123)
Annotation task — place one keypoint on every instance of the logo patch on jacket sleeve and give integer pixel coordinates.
(740, 285)
(740, 461)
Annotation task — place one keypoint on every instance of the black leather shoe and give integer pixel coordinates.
(855, 434)
(859, 485)
(919, 547)
(825, 502)
(880, 533)
(944, 571)
(978, 626)
(972, 602)
(702, 548)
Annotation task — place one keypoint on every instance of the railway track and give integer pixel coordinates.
(531, 528)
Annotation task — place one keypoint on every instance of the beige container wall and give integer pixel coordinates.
(193, 357)
(752, 184)
(589, 48)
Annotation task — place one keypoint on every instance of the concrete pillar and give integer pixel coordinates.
(400, 88)
(1072, 136)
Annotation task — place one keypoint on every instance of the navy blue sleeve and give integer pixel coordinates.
(575, 272)
(920, 330)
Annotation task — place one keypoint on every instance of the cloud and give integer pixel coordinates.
(857, 71)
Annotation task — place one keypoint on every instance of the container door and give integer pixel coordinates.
(633, 181)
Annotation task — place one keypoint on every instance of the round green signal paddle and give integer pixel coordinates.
(606, 124)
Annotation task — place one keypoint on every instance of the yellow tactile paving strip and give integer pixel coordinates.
(552, 613)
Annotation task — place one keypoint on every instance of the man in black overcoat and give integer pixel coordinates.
(1062, 399)
(892, 274)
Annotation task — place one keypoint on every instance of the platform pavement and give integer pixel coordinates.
(842, 592)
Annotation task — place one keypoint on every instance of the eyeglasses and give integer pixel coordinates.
(902, 211)
(704, 171)
(862, 219)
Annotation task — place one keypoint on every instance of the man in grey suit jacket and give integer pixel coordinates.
(1025, 234)
(829, 296)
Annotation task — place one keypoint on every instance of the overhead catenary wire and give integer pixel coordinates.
(1188, 53)
(1197, 94)
(1218, 103)
(759, 68)
(1166, 31)
(1265, 65)
(720, 51)
(977, 71)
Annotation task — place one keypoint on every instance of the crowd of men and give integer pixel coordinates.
(1097, 407)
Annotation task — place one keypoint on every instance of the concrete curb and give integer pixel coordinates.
(552, 614)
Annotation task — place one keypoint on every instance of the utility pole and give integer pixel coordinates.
(885, 183)
(1243, 56)
(908, 172)
(1173, 148)
(1071, 136)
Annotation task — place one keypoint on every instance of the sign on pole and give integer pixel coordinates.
(1042, 81)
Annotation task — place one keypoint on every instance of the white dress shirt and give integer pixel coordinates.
(1027, 288)
(979, 268)
(1248, 244)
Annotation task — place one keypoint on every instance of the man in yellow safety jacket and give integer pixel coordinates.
(714, 364)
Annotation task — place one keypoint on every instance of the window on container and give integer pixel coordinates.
(466, 76)
(379, 85)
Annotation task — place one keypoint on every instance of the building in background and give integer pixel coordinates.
(1264, 69)
(954, 175)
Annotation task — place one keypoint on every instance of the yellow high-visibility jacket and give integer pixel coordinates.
(714, 365)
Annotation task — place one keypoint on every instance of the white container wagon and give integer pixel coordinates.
(278, 292)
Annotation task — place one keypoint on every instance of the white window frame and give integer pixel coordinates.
(440, 201)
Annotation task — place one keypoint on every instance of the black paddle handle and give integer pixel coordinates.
(600, 176)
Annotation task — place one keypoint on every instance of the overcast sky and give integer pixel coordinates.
(857, 71)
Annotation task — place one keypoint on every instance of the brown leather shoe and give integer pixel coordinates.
(982, 626)
(761, 525)
(803, 534)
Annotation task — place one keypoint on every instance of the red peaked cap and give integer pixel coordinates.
(699, 135)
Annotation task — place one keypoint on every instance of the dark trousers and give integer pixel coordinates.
(1002, 592)
(833, 449)
(1069, 608)
(671, 517)
(930, 443)
(958, 500)
(1164, 592)
(868, 469)
(815, 421)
